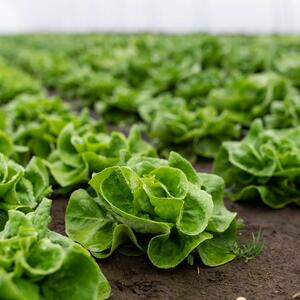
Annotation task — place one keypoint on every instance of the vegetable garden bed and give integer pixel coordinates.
(172, 162)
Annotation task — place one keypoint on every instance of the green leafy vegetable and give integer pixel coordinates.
(250, 97)
(201, 131)
(288, 64)
(31, 125)
(284, 114)
(81, 151)
(162, 207)
(14, 82)
(265, 165)
(22, 188)
(36, 263)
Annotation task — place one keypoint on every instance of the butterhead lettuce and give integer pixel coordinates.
(81, 151)
(160, 207)
(36, 263)
(264, 165)
(22, 188)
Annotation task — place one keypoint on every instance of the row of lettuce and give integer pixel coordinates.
(191, 93)
(264, 164)
(123, 197)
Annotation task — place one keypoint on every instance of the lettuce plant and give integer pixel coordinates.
(33, 123)
(48, 68)
(7, 146)
(15, 82)
(172, 124)
(86, 84)
(81, 151)
(160, 207)
(284, 114)
(36, 263)
(200, 84)
(22, 188)
(248, 54)
(264, 165)
(123, 104)
(288, 65)
(249, 97)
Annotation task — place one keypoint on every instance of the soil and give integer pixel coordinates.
(275, 274)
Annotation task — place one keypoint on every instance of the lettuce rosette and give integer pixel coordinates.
(201, 131)
(14, 82)
(163, 208)
(288, 65)
(36, 263)
(264, 165)
(31, 124)
(83, 150)
(21, 188)
(7, 146)
(249, 97)
(284, 114)
(122, 106)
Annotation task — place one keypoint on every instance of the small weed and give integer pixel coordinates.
(250, 249)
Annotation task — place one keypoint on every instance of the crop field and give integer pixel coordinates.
(149, 167)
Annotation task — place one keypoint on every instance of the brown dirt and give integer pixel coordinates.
(275, 274)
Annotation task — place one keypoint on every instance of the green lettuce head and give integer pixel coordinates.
(173, 125)
(249, 97)
(264, 165)
(22, 188)
(81, 151)
(37, 264)
(154, 206)
(33, 123)
(15, 82)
